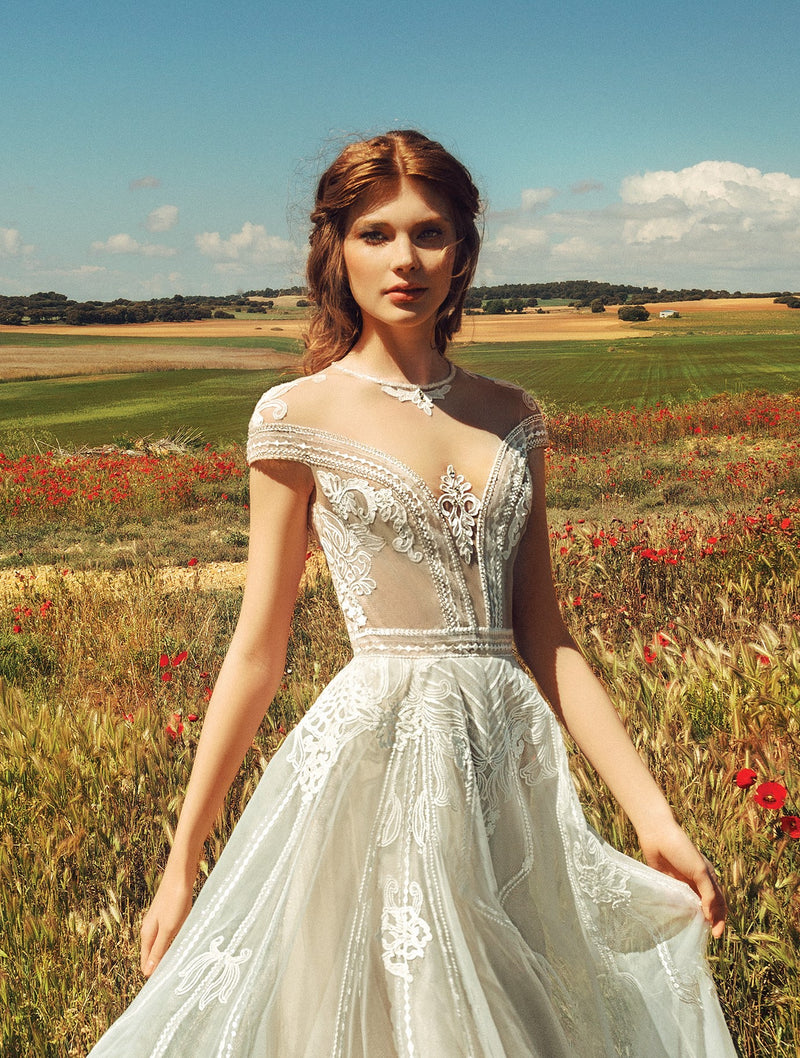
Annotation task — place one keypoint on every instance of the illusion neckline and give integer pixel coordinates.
(393, 384)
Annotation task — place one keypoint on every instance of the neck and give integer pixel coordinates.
(408, 356)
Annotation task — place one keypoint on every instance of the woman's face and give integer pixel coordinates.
(399, 249)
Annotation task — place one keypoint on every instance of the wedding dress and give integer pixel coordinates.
(414, 875)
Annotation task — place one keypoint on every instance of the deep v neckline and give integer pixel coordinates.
(504, 445)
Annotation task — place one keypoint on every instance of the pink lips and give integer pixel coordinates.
(405, 293)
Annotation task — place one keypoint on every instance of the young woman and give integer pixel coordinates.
(414, 875)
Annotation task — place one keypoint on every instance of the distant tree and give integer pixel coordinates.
(494, 307)
(221, 314)
(793, 303)
(515, 305)
(303, 303)
(633, 313)
(531, 303)
(597, 305)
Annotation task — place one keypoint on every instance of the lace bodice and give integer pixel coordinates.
(409, 561)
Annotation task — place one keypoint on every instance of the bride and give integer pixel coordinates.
(414, 875)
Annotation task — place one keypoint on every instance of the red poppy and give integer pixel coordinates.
(180, 658)
(770, 795)
(192, 562)
(745, 777)
(192, 717)
(649, 654)
(763, 659)
(163, 661)
(791, 825)
(166, 677)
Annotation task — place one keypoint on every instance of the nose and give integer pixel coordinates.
(405, 254)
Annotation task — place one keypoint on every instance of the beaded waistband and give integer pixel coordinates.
(434, 642)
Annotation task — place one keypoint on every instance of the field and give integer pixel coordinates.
(675, 539)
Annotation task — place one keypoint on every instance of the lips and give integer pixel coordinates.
(405, 292)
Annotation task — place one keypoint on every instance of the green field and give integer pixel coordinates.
(217, 403)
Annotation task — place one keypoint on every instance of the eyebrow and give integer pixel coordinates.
(372, 221)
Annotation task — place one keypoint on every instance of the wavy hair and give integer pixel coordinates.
(335, 325)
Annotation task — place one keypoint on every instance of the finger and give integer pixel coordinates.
(712, 899)
(156, 952)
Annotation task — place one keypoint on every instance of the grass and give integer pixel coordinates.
(674, 540)
(590, 375)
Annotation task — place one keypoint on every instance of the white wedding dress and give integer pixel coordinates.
(414, 875)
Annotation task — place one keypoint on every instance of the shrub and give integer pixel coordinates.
(633, 313)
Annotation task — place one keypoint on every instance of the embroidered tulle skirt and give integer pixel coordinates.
(414, 877)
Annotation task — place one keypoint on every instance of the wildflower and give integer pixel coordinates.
(17, 629)
(791, 825)
(192, 562)
(763, 659)
(744, 778)
(192, 717)
(649, 654)
(166, 676)
(180, 658)
(163, 661)
(770, 795)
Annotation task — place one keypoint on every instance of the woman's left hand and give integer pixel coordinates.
(670, 851)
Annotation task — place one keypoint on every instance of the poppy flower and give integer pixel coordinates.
(192, 562)
(192, 717)
(791, 825)
(744, 778)
(163, 661)
(649, 655)
(770, 795)
(180, 658)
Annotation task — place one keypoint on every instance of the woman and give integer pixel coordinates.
(414, 875)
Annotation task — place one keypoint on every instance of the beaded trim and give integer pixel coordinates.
(421, 397)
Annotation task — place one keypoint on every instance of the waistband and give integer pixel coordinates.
(434, 642)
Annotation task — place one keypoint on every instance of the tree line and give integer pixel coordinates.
(51, 307)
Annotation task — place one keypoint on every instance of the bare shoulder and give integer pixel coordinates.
(507, 397)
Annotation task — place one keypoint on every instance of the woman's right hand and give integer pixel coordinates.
(166, 915)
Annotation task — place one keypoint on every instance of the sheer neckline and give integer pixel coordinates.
(433, 493)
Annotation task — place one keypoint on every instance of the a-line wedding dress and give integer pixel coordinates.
(414, 875)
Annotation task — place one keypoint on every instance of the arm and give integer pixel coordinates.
(248, 680)
(582, 705)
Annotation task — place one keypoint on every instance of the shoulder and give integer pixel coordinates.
(273, 405)
(514, 404)
(273, 432)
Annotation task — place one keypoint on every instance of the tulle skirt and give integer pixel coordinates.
(414, 876)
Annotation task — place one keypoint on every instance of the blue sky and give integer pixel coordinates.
(170, 147)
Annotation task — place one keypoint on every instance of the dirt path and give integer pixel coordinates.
(26, 361)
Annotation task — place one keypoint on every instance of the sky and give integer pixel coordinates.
(172, 147)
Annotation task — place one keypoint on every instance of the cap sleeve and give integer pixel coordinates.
(534, 425)
(268, 437)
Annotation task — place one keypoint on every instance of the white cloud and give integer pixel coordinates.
(123, 243)
(11, 244)
(144, 182)
(533, 197)
(162, 219)
(252, 245)
(714, 224)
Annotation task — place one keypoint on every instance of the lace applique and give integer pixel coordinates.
(219, 972)
(419, 397)
(404, 932)
(358, 503)
(459, 507)
(599, 878)
(350, 563)
(272, 400)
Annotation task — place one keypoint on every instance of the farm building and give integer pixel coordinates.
(667, 314)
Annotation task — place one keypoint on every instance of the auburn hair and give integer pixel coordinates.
(335, 325)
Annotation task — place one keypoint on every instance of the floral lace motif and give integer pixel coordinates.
(213, 974)
(404, 932)
(459, 507)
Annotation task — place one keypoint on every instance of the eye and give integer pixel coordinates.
(372, 237)
(433, 233)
